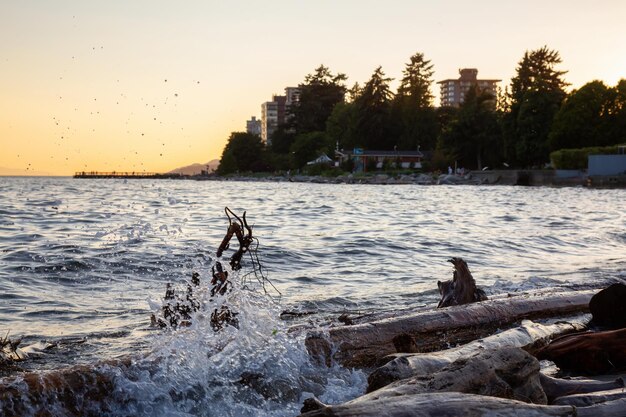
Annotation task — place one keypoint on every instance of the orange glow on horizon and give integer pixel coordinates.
(156, 86)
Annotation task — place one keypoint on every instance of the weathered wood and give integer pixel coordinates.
(589, 353)
(370, 316)
(365, 344)
(461, 289)
(587, 399)
(527, 336)
(557, 387)
(608, 307)
(614, 408)
(438, 404)
(504, 373)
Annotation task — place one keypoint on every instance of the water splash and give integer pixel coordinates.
(259, 368)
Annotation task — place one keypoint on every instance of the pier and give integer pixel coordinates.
(130, 175)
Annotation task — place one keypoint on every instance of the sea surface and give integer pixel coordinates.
(84, 263)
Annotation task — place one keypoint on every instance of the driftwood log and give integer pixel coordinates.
(461, 289)
(587, 399)
(368, 317)
(364, 345)
(434, 404)
(455, 404)
(528, 336)
(504, 373)
(589, 353)
(557, 387)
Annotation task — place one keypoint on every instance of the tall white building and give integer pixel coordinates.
(269, 120)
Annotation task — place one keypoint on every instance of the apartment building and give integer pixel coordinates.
(453, 91)
(253, 126)
(275, 113)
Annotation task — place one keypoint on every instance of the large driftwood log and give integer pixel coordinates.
(365, 344)
(589, 353)
(457, 404)
(587, 399)
(435, 404)
(504, 373)
(557, 387)
(461, 289)
(528, 336)
(368, 317)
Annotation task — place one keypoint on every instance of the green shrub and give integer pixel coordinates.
(577, 158)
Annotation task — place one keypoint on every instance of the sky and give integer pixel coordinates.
(151, 85)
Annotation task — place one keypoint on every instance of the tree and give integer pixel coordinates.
(581, 120)
(282, 139)
(473, 137)
(412, 107)
(309, 146)
(340, 125)
(615, 120)
(243, 152)
(319, 94)
(372, 113)
(536, 94)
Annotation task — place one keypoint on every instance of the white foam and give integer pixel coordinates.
(258, 369)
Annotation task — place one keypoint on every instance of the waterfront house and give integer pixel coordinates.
(365, 160)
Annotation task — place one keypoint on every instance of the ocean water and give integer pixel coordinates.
(84, 263)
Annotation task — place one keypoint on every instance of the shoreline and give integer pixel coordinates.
(533, 178)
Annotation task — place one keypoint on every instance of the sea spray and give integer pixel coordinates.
(257, 368)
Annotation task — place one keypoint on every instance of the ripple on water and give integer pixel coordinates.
(110, 246)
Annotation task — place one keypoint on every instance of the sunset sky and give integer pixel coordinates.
(155, 85)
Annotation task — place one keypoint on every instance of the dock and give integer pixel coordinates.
(125, 175)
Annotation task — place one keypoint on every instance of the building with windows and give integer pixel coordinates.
(374, 159)
(453, 91)
(275, 113)
(253, 126)
(269, 118)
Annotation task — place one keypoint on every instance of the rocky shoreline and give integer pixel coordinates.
(548, 178)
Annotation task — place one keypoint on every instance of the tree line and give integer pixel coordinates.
(518, 127)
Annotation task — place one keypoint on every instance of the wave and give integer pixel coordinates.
(257, 368)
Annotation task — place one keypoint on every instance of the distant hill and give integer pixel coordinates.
(195, 169)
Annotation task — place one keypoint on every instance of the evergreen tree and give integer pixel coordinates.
(473, 137)
(319, 94)
(412, 109)
(354, 92)
(372, 114)
(536, 94)
(615, 120)
(282, 139)
(340, 126)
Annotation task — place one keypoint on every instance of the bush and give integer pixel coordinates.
(577, 158)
